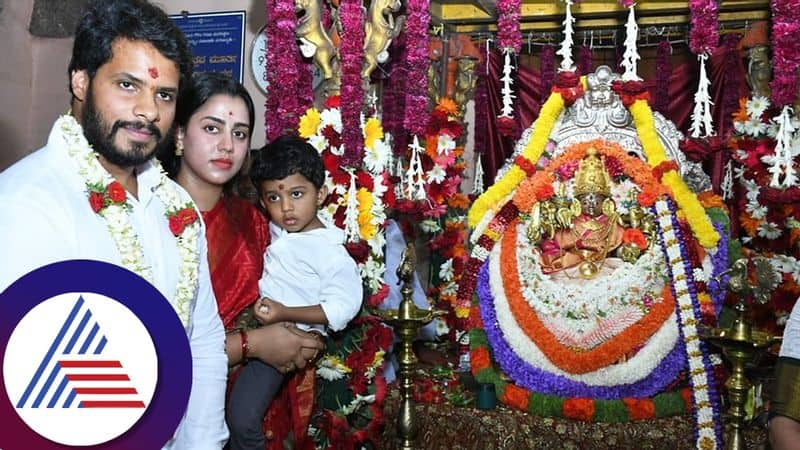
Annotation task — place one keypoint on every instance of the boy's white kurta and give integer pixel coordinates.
(312, 268)
(45, 217)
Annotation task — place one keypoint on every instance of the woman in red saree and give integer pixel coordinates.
(213, 124)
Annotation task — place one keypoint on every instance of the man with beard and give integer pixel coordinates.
(94, 191)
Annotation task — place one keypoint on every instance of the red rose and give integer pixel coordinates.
(116, 192)
(630, 91)
(570, 95)
(176, 225)
(333, 101)
(187, 216)
(359, 251)
(506, 126)
(96, 200)
(567, 79)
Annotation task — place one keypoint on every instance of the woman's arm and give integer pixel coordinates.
(280, 345)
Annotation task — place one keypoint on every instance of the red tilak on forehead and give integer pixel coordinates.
(153, 72)
(230, 113)
(280, 186)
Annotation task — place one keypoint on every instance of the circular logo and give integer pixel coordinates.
(94, 357)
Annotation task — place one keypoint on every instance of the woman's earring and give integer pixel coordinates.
(178, 148)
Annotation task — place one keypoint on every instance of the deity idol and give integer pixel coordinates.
(595, 233)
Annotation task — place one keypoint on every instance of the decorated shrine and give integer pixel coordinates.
(601, 199)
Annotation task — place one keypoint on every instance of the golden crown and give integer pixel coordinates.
(592, 176)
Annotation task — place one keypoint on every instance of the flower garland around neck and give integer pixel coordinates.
(108, 199)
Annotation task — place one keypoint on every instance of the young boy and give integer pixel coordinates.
(309, 278)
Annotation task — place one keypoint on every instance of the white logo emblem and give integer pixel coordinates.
(80, 369)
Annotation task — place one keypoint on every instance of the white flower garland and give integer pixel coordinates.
(706, 437)
(639, 366)
(119, 224)
(605, 296)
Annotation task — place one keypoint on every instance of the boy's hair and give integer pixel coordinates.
(287, 155)
(137, 20)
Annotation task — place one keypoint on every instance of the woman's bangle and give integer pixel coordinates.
(245, 345)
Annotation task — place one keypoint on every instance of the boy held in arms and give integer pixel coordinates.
(306, 266)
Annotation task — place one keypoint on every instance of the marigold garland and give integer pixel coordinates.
(701, 225)
(548, 115)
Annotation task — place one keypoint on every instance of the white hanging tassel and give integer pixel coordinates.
(631, 55)
(508, 96)
(415, 180)
(477, 185)
(351, 228)
(727, 182)
(702, 122)
(400, 187)
(488, 42)
(566, 45)
(782, 162)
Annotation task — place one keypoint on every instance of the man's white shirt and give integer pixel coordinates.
(45, 217)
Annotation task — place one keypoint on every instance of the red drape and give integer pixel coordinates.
(725, 66)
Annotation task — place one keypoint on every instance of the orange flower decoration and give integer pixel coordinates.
(711, 200)
(640, 409)
(749, 224)
(741, 114)
(578, 408)
(515, 396)
(647, 198)
(635, 236)
(447, 105)
(479, 358)
(458, 201)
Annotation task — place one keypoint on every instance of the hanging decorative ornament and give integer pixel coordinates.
(781, 164)
(631, 55)
(727, 182)
(663, 72)
(351, 228)
(566, 45)
(702, 122)
(703, 39)
(351, 49)
(509, 41)
(477, 186)
(415, 179)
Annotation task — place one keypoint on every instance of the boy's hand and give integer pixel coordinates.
(268, 311)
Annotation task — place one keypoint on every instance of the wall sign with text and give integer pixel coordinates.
(216, 40)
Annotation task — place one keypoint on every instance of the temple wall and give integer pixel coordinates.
(33, 76)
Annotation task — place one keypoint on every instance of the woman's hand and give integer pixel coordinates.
(283, 346)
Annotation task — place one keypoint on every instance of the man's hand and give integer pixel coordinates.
(283, 346)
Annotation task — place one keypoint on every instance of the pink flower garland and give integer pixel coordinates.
(416, 63)
(585, 60)
(352, 52)
(663, 72)
(704, 34)
(283, 55)
(508, 33)
(394, 96)
(785, 50)
(730, 90)
(547, 63)
(481, 109)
